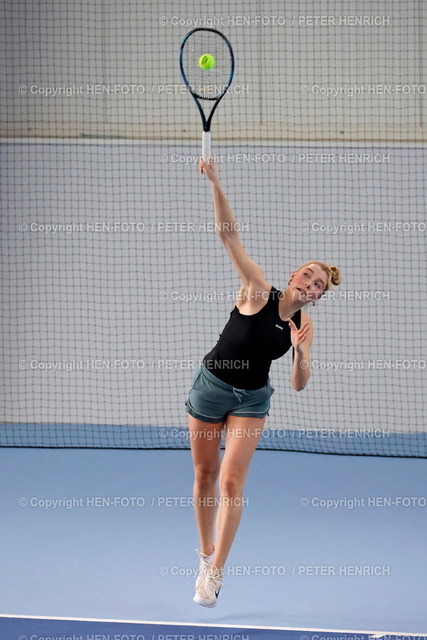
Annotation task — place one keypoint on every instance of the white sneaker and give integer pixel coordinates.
(204, 565)
(208, 592)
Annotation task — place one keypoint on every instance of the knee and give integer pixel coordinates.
(205, 477)
(231, 485)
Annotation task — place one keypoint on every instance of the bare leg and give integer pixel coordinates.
(242, 436)
(205, 441)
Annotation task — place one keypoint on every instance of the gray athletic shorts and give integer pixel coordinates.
(211, 400)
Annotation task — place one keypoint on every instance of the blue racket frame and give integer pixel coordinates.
(206, 142)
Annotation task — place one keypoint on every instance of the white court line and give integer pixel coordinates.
(373, 634)
(226, 149)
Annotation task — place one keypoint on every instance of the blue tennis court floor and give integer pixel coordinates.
(326, 542)
(67, 629)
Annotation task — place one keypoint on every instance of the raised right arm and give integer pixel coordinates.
(251, 274)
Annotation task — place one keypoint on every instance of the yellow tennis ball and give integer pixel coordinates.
(206, 61)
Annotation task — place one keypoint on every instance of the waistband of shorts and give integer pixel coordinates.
(210, 376)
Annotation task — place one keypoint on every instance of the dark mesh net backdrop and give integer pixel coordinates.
(114, 282)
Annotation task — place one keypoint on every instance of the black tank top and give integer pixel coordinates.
(247, 345)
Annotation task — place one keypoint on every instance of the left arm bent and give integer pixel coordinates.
(301, 342)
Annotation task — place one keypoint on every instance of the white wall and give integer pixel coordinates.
(97, 295)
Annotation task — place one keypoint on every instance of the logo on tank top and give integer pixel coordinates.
(279, 327)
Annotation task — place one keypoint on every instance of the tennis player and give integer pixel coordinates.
(231, 389)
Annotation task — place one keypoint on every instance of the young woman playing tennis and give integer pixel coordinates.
(231, 389)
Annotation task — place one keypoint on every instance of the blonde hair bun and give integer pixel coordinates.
(335, 275)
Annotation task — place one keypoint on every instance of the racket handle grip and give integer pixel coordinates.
(206, 145)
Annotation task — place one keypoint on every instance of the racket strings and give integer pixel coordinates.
(207, 84)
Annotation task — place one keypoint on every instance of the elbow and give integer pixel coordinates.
(299, 386)
(225, 232)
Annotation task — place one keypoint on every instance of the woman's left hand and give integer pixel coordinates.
(298, 335)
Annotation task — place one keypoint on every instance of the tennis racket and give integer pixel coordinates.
(206, 84)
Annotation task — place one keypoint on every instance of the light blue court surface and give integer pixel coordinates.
(326, 542)
(36, 629)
